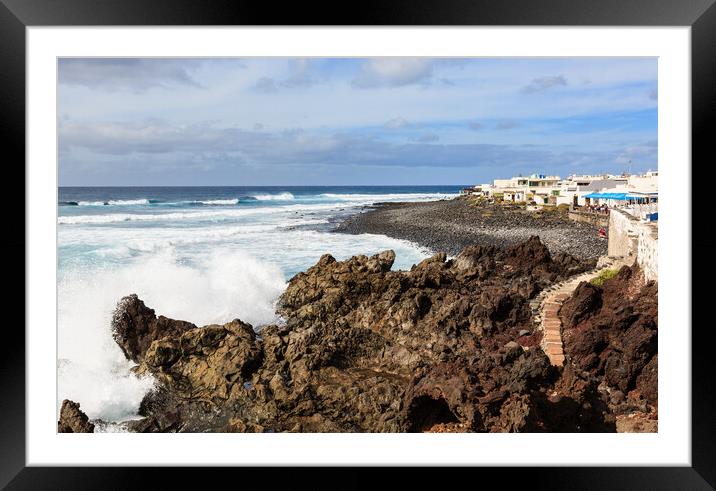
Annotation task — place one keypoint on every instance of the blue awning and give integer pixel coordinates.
(617, 196)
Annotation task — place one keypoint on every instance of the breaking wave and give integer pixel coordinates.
(227, 284)
(111, 202)
(275, 197)
(218, 202)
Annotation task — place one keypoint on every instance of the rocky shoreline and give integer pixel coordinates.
(452, 225)
(449, 346)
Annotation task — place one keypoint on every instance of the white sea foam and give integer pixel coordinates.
(275, 197)
(340, 201)
(203, 265)
(153, 217)
(214, 215)
(117, 242)
(219, 202)
(227, 284)
(115, 202)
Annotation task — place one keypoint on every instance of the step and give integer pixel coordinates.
(556, 360)
(553, 350)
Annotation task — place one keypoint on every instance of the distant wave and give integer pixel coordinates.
(111, 202)
(218, 213)
(217, 202)
(275, 197)
(124, 217)
(215, 213)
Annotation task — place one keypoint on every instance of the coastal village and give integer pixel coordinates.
(625, 205)
(637, 194)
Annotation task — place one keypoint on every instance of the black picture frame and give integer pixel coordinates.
(700, 15)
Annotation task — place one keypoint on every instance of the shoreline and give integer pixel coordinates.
(450, 225)
(448, 346)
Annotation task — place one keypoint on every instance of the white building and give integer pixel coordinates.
(639, 196)
(537, 187)
(574, 188)
(551, 190)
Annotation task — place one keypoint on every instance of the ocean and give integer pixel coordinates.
(201, 254)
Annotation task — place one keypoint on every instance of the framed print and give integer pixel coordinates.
(425, 235)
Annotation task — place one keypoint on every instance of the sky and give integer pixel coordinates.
(351, 121)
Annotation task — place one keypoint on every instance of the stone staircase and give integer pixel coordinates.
(546, 305)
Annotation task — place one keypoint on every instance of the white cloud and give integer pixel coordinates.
(160, 145)
(396, 123)
(106, 112)
(544, 83)
(133, 74)
(300, 75)
(393, 72)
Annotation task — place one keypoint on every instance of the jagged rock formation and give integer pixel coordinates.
(72, 419)
(134, 327)
(610, 335)
(446, 346)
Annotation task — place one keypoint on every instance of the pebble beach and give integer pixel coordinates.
(450, 225)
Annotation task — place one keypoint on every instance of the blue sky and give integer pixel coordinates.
(352, 121)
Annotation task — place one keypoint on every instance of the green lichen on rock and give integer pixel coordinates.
(605, 275)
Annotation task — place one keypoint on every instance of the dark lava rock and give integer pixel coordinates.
(367, 349)
(135, 327)
(72, 419)
(611, 333)
(586, 299)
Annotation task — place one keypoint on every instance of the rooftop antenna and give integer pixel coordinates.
(629, 167)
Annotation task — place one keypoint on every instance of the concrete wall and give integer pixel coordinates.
(593, 218)
(629, 237)
(622, 234)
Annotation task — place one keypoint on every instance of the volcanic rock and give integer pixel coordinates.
(367, 349)
(610, 333)
(72, 419)
(135, 327)
(585, 299)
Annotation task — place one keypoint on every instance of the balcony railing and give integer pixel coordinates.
(641, 211)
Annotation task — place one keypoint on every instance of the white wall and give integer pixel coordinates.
(622, 234)
(629, 237)
(648, 251)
